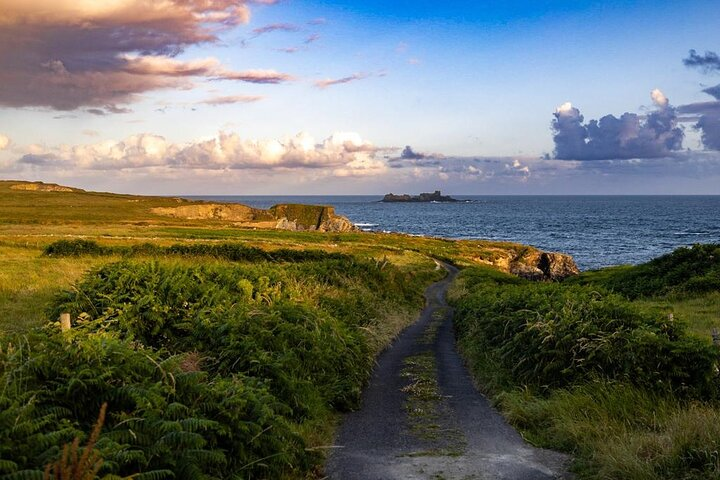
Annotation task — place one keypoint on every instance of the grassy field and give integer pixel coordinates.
(596, 367)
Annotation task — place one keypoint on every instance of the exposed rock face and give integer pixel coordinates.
(233, 213)
(44, 187)
(539, 265)
(436, 196)
(284, 217)
(310, 217)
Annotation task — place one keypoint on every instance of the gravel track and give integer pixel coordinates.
(447, 431)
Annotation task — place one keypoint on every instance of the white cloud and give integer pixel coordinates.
(659, 98)
(4, 142)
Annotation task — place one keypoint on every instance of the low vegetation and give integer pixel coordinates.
(224, 352)
(218, 368)
(595, 367)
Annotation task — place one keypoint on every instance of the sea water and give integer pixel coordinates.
(598, 231)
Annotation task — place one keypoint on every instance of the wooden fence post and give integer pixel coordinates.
(716, 336)
(64, 322)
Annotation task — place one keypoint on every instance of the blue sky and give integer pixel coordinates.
(472, 87)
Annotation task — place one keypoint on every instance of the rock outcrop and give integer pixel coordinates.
(436, 196)
(538, 265)
(310, 218)
(293, 217)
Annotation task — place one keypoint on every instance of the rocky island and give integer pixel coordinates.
(436, 196)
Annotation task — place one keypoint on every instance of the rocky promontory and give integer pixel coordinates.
(436, 196)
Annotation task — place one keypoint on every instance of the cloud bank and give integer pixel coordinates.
(344, 154)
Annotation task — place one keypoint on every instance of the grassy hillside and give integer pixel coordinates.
(597, 367)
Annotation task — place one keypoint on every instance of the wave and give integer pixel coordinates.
(366, 225)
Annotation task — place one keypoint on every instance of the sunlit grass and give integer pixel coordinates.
(701, 313)
(28, 282)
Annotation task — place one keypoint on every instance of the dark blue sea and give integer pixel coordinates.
(598, 231)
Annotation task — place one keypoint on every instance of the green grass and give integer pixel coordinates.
(621, 432)
(29, 282)
(701, 313)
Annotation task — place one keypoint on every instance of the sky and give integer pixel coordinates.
(362, 97)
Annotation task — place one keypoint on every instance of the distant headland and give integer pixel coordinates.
(436, 196)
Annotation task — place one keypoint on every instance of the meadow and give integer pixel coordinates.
(597, 366)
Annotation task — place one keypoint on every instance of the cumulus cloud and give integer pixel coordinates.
(66, 54)
(630, 136)
(4, 142)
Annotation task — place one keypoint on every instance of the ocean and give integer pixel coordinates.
(598, 231)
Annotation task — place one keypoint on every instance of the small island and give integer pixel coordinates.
(436, 196)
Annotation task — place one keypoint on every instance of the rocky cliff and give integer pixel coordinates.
(293, 217)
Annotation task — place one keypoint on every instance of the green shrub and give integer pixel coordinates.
(160, 417)
(234, 252)
(75, 248)
(553, 335)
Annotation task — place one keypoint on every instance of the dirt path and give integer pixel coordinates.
(422, 417)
